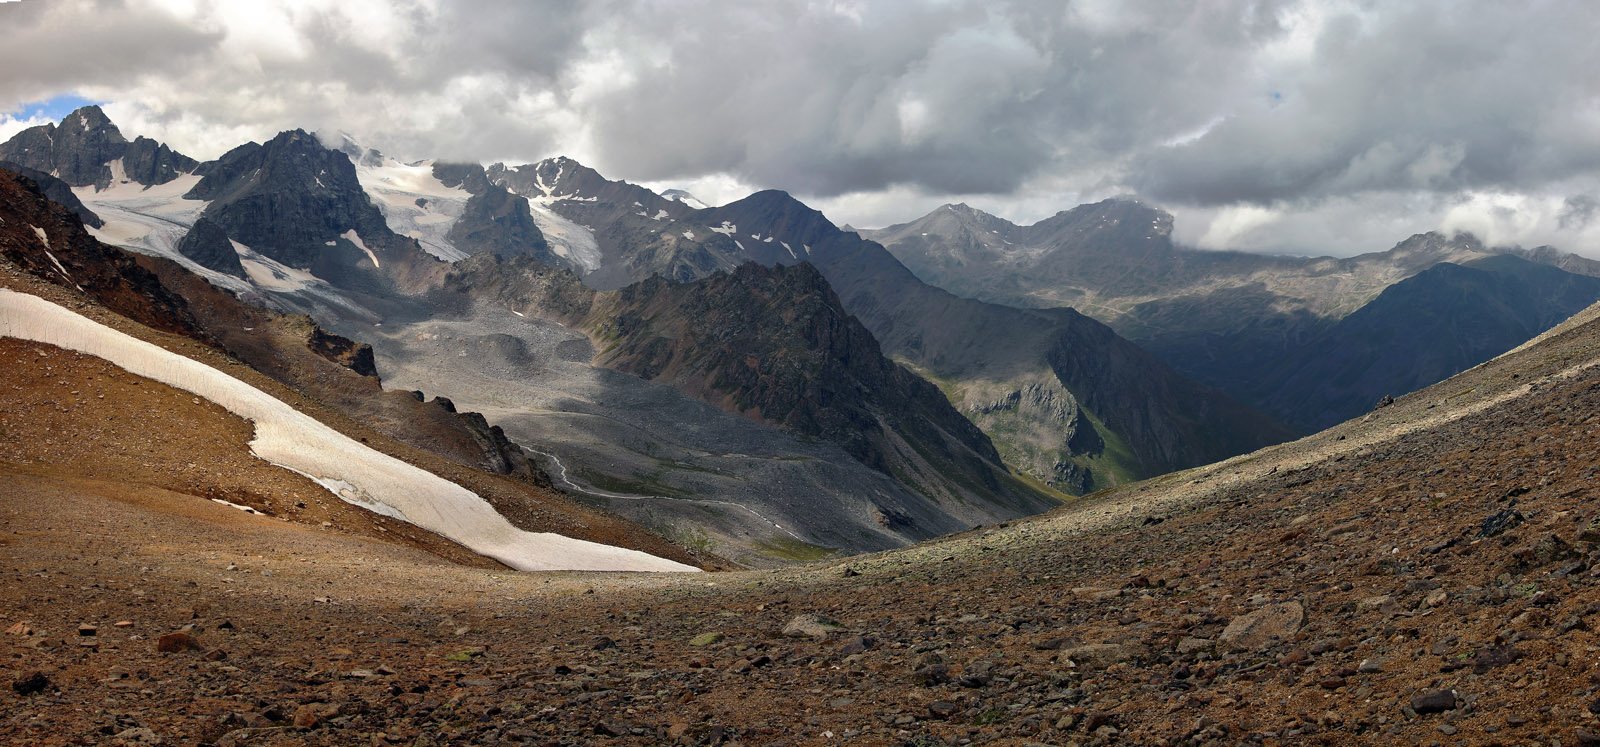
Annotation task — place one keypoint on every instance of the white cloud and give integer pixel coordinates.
(876, 108)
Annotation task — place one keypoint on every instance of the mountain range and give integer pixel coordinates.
(1266, 329)
(1420, 574)
(752, 379)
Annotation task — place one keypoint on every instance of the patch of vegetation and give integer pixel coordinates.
(691, 537)
(791, 549)
(991, 716)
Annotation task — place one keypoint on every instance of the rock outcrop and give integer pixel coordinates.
(208, 245)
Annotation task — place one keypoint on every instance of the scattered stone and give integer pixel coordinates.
(19, 629)
(88, 630)
(1433, 701)
(123, 624)
(1374, 603)
(1490, 657)
(308, 716)
(942, 709)
(1436, 598)
(811, 626)
(706, 639)
(31, 683)
(174, 643)
(1500, 523)
(1370, 666)
(1585, 738)
(602, 643)
(1264, 627)
(1102, 655)
(858, 644)
(138, 735)
(1192, 645)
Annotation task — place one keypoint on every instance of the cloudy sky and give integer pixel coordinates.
(1298, 127)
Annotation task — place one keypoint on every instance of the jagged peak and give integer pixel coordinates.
(87, 117)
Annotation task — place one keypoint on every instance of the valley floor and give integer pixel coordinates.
(1424, 576)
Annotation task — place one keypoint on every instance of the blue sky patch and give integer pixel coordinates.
(53, 109)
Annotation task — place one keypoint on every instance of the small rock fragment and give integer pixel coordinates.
(1102, 655)
(1433, 701)
(31, 683)
(179, 642)
(1262, 628)
(811, 626)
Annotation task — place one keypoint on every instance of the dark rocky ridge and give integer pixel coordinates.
(642, 234)
(290, 198)
(57, 191)
(775, 345)
(772, 344)
(208, 245)
(494, 219)
(79, 149)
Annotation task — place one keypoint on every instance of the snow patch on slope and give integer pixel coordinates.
(395, 188)
(355, 238)
(567, 239)
(291, 439)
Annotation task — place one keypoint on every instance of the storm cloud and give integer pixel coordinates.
(1261, 124)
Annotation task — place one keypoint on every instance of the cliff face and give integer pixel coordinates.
(295, 201)
(494, 220)
(57, 191)
(207, 244)
(774, 344)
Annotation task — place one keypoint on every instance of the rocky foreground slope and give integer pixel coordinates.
(1422, 575)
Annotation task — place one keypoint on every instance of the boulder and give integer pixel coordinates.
(1264, 627)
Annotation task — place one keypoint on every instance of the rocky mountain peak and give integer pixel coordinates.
(292, 199)
(1111, 220)
(774, 212)
(80, 151)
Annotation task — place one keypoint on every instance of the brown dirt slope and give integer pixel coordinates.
(1425, 575)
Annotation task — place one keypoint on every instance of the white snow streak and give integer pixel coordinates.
(355, 238)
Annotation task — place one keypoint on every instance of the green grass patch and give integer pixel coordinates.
(792, 550)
